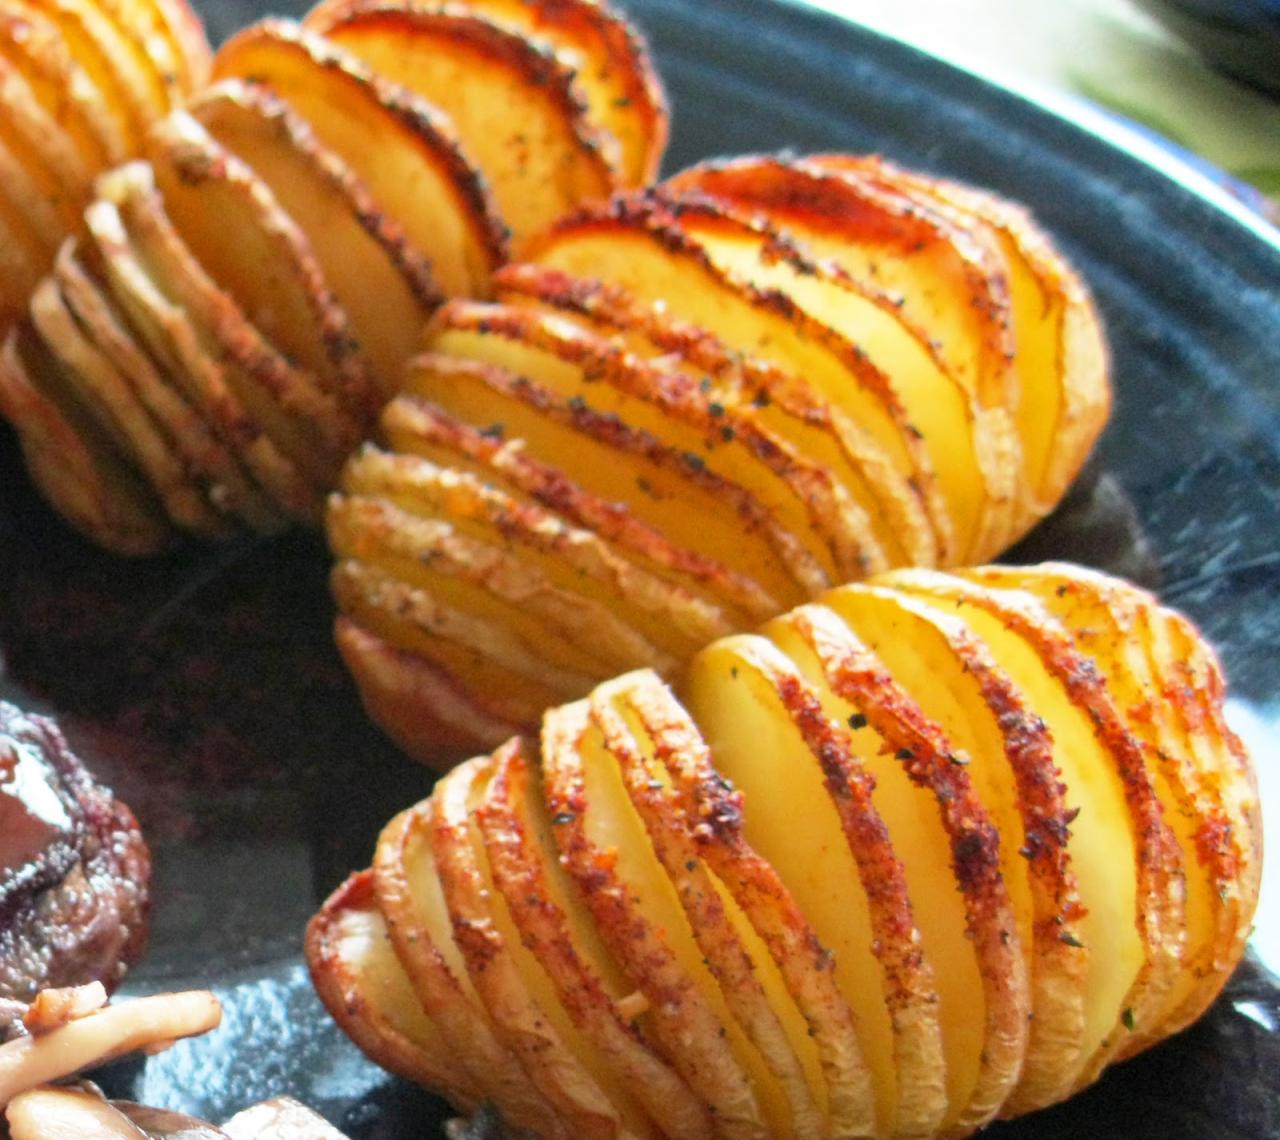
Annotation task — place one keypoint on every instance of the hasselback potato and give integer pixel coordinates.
(932, 849)
(694, 407)
(245, 295)
(80, 83)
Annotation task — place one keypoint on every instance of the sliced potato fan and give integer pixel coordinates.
(908, 859)
(317, 202)
(800, 371)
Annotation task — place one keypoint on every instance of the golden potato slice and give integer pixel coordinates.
(38, 140)
(542, 905)
(155, 60)
(1127, 864)
(312, 428)
(944, 283)
(570, 632)
(574, 560)
(32, 42)
(365, 989)
(396, 143)
(756, 389)
(221, 433)
(1006, 754)
(385, 286)
(808, 809)
(462, 641)
(679, 758)
(411, 897)
(687, 409)
(526, 1015)
(26, 190)
(637, 243)
(270, 268)
(964, 459)
(1061, 355)
(114, 63)
(518, 112)
(606, 851)
(577, 366)
(754, 988)
(412, 426)
(76, 321)
(715, 518)
(417, 703)
(190, 44)
(609, 59)
(22, 263)
(969, 928)
(75, 465)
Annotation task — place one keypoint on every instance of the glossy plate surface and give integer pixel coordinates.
(205, 688)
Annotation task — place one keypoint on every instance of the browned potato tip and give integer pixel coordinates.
(927, 851)
(240, 307)
(692, 408)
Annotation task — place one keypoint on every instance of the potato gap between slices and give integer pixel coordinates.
(929, 850)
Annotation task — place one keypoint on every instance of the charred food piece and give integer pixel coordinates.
(74, 869)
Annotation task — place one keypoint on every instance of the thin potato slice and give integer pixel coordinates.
(959, 457)
(526, 1016)
(74, 330)
(411, 897)
(606, 852)
(819, 827)
(685, 764)
(969, 928)
(1006, 755)
(220, 432)
(753, 988)
(944, 282)
(26, 196)
(1128, 866)
(187, 35)
(756, 390)
(540, 899)
(312, 429)
(570, 632)
(685, 409)
(111, 60)
(416, 702)
(270, 267)
(413, 426)
(714, 518)
(638, 244)
(463, 641)
(396, 143)
(518, 112)
(22, 264)
(73, 463)
(577, 366)
(33, 43)
(1062, 358)
(155, 61)
(1107, 621)
(574, 560)
(366, 991)
(609, 59)
(385, 286)
(47, 151)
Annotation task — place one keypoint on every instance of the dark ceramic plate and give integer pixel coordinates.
(205, 688)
